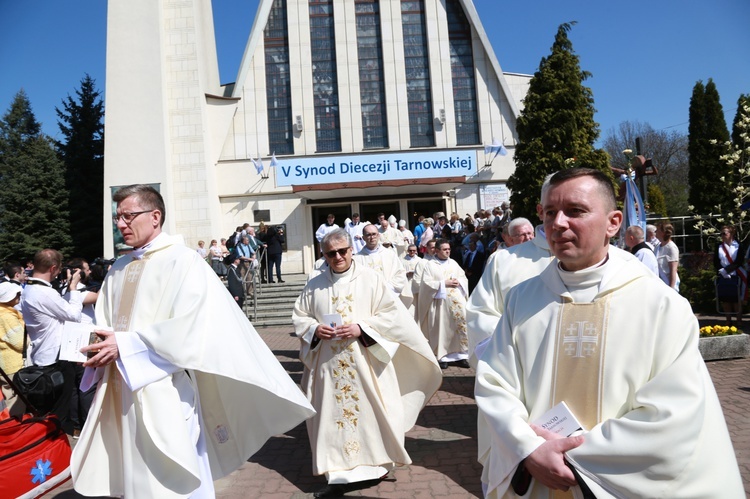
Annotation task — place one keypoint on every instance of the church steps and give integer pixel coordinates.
(276, 302)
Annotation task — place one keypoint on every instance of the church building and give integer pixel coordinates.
(339, 106)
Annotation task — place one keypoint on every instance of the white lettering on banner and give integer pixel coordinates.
(364, 168)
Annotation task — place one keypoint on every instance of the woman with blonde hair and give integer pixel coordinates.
(667, 256)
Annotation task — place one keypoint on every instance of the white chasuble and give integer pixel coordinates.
(442, 310)
(628, 365)
(504, 269)
(387, 263)
(201, 352)
(366, 398)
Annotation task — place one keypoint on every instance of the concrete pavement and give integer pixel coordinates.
(442, 445)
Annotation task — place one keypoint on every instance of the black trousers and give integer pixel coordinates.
(80, 402)
(273, 260)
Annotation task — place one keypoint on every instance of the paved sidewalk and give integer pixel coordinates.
(442, 445)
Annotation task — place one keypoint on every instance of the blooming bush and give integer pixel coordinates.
(711, 331)
(737, 157)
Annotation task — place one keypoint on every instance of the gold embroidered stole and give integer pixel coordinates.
(124, 309)
(579, 362)
(579, 359)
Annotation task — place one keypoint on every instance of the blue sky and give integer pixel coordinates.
(644, 56)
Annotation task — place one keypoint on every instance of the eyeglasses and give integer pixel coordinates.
(371, 234)
(341, 252)
(128, 217)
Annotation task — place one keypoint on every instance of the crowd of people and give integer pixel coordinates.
(243, 252)
(35, 304)
(182, 390)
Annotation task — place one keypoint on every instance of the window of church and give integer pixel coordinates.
(325, 79)
(278, 84)
(418, 91)
(462, 71)
(371, 82)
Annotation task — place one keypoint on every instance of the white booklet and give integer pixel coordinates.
(75, 336)
(559, 420)
(333, 320)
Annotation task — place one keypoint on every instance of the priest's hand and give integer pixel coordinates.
(325, 332)
(547, 462)
(107, 350)
(348, 331)
(451, 283)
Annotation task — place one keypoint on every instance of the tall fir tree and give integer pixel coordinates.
(556, 129)
(709, 176)
(33, 198)
(82, 151)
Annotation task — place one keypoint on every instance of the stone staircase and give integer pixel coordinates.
(276, 302)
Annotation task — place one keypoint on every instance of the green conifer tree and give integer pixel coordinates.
(709, 176)
(657, 204)
(82, 151)
(556, 129)
(33, 198)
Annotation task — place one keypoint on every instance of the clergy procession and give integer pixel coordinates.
(545, 323)
(182, 390)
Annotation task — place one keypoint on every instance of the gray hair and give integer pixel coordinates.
(517, 223)
(148, 198)
(333, 236)
(635, 231)
(546, 184)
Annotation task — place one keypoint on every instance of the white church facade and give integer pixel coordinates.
(362, 106)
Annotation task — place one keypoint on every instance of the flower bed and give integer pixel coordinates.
(723, 342)
(711, 331)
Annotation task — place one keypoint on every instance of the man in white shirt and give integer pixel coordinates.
(640, 248)
(45, 313)
(326, 227)
(354, 229)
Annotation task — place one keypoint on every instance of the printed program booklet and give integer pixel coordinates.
(559, 420)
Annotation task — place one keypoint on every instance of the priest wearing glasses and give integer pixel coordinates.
(368, 370)
(186, 390)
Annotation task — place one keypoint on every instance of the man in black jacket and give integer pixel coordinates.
(234, 281)
(274, 240)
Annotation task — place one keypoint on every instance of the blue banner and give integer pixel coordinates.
(374, 167)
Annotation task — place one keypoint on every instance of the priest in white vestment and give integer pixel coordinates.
(409, 262)
(354, 229)
(416, 280)
(382, 260)
(407, 238)
(597, 331)
(187, 390)
(368, 371)
(390, 236)
(504, 269)
(442, 307)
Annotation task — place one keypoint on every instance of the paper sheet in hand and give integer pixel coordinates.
(559, 420)
(75, 336)
(333, 320)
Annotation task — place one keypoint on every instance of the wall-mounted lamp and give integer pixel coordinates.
(298, 122)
